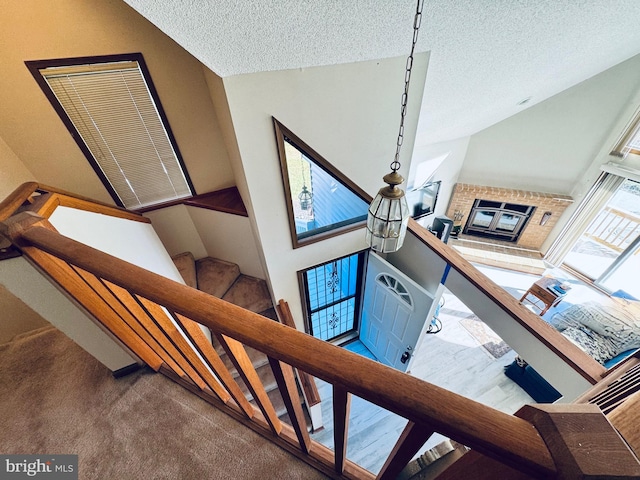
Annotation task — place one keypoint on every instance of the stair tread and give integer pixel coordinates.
(256, 356)
(266, 378)
(223, 280)
(216, 276)
(249, 293)
(186, 265)
(276, 399)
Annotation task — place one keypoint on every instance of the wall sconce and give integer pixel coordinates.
(545, 218)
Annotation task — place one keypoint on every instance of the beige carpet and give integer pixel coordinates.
(249, 293)
(216, 276)
(56, 399)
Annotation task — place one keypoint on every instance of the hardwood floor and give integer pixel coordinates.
(452, 359)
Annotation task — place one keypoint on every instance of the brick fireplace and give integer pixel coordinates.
(527, 217)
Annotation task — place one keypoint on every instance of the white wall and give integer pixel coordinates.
(134, 242)
(592, 171)
(131, 241)
(347, 113)
(443, 161)
(13, 173)
(228, 237)
(25, 282)
(175, 228)
(208, 233)
(548, 146)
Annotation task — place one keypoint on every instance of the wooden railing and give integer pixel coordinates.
(137, 306)
(157, 319)
(43, 200)
(614, 229)
(127, 300)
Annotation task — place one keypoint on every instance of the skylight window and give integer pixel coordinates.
(110, 107)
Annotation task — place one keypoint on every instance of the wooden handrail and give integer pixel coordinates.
(63, 198)
(586, 366)
(10, 204)
(500, 436)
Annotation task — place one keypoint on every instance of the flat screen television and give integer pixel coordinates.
(422, 200)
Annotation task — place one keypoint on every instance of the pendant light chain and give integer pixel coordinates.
(388, 214)
(395, 165)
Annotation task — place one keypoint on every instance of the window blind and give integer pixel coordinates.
(112, 109)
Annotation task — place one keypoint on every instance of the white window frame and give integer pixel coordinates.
(629, 142)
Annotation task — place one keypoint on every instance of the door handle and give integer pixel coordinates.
(406, 355)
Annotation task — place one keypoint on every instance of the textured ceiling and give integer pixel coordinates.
(486, 55)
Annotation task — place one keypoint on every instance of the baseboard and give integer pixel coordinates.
(124, 371)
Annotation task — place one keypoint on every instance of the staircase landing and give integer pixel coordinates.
(224, 280)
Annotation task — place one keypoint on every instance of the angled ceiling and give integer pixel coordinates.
(486, 55)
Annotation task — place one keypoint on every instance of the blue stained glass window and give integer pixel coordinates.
(332, 292)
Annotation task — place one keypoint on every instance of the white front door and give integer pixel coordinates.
(394, 313)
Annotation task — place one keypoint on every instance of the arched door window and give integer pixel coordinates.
(396, 287)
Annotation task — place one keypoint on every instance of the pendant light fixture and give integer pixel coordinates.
(389, 213)
(305, 196)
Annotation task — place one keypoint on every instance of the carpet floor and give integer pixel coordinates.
(57, 399)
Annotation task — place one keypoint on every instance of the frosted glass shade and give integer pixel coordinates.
(387, 220)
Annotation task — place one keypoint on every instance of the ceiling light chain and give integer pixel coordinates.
(388, 214)
(417, 21)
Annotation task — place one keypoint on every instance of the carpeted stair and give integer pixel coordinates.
(224, 280)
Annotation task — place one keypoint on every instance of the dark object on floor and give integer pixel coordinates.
(531, 382)
(436, 324)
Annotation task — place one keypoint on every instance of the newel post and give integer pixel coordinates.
(12, 228)
(582, 442)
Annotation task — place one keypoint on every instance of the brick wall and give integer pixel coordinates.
(534, 234)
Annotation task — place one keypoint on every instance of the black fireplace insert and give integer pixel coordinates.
(498, 220)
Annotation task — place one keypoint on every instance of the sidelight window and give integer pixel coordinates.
(332, 296)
